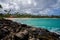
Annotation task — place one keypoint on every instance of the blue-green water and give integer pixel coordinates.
(52, 24)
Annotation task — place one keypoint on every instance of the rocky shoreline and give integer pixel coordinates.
(10, 30)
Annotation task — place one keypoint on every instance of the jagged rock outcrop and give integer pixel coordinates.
(10, 30)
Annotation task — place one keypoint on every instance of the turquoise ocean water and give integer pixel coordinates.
(52, 24)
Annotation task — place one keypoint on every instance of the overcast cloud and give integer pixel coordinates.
(32, 6)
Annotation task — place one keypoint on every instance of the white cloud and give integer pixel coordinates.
(31, 6)
(5, 6)
(44, 12)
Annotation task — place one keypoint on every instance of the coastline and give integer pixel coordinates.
(22, 31)
(31, 18)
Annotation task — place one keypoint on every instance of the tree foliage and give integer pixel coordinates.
(0, 6)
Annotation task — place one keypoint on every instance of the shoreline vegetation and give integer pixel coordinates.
(10, 30)
(25, 15)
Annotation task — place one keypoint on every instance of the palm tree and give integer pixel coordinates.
(1, 13)
(7, 13)
(0, 6)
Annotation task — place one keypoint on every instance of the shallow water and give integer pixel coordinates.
(52, 24)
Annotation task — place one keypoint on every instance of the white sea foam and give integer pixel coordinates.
(51, 29)
(56, 30)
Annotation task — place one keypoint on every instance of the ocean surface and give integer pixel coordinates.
(52, 24)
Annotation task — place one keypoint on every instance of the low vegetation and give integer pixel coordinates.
(17, 15)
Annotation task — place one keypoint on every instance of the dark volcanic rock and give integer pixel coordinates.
(10, 30)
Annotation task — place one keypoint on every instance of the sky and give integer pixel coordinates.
(43, 7)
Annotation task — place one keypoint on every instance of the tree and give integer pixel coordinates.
(0, 6)
(1, 15)
(7, 13)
